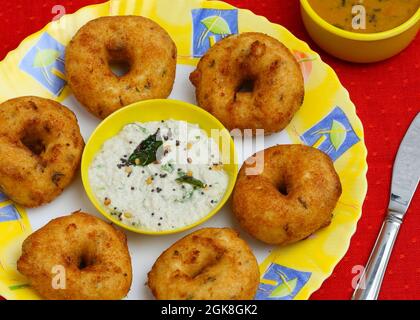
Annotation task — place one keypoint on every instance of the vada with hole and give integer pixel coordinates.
(294, 196)
(40, 149)
(139, 43)
(208, 264)
(249, 81)
(77, 257)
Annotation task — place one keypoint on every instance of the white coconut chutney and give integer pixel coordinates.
(164, 190)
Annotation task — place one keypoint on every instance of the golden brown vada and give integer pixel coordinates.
(40, 149)
(293, 197)
(138, 42)
(208, 264)
(92, 254)
(249, 81)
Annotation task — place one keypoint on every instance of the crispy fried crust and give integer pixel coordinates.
(134, 40)
(277, 93)
(293, 197)
(94, 255)
(35, 177)
(208, 264)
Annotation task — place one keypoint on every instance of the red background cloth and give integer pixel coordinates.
(387, 97)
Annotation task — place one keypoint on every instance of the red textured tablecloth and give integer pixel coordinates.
(387, 97)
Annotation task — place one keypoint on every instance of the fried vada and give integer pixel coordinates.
(249, 81)
(132, 42)
(40, 149)
(293, 197)
(209, 264)
(77, 257)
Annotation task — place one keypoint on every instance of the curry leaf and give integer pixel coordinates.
(192, 181)
(145, 153)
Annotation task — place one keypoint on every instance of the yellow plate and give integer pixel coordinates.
(327, 120)
(157, 110)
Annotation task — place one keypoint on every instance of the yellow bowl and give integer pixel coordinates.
(358, 47)
(156, 110)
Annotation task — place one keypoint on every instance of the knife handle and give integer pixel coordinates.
(371, 280)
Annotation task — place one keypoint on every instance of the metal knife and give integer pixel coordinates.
(405, 178)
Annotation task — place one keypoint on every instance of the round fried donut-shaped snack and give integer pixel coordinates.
(293, 197)
(40, 149)
(77, 257)
(210, 263)
(137, 43)
(249, 81)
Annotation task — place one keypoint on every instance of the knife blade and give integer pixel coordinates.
(405, 179)
(406, 172)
